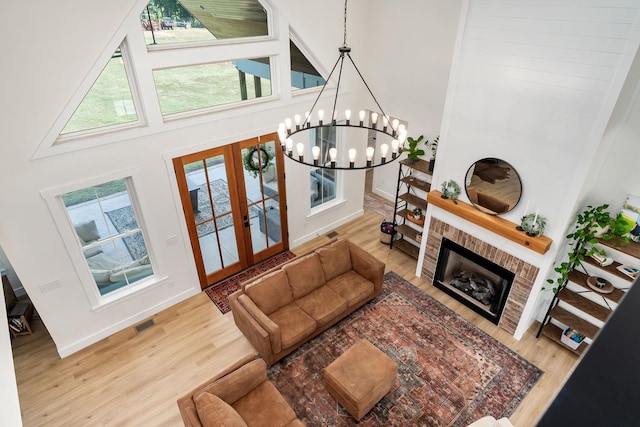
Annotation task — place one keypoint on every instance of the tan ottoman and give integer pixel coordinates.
(360, 377)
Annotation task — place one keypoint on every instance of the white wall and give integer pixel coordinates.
(535, 84)
(415, 40)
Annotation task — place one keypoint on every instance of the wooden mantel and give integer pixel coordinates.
(495, 224)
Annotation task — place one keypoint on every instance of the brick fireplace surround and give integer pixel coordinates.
(525, 274)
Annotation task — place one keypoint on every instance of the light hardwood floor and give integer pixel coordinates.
(134, 379)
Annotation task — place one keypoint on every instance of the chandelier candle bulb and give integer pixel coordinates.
(306, 118)
(384, 149)
(333, 155)
(394, 124)
(362, 113)
(300, 148)
(374, 120)
(385, 123)
(370, 152)
(296, 118)
(347, 116)
(352, 157)
(316, 154)
(320, 117)
(289, 146)
(394, 148)
(287, 123)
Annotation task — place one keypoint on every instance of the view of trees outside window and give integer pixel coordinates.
(170, 21)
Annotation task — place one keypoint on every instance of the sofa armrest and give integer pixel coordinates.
(256, 334)
(263, 320)
(367, 265)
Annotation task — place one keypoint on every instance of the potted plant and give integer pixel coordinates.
(433, 146)
(417, 213)
(412, 150)
(583, 240)
(450, 190)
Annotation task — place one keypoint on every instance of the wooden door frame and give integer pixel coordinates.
(233, 160)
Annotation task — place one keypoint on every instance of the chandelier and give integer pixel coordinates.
(378, 122)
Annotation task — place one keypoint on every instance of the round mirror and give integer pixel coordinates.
(493, 186)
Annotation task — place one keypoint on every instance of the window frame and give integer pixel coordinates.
(271, 35)
(141, 122)
(338, 198)
(171, 117)
(75, 249)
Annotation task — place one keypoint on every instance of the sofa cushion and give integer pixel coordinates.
(270, 292)
(351, 286)
(265, 406)
(335, 259)
(214, 411)
(323, 304)
(236, 384)
(87, 231)
(295, 325)
(305, 274)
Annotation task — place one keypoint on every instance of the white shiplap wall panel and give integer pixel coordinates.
(557, 11)
(577, 28)
(534, 83)
(541, 37)
(597, 72)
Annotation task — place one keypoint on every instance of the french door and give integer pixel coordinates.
(234, 203)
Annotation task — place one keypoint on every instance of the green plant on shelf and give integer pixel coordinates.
(412, 150)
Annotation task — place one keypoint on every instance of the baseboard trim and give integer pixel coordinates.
(324, 230)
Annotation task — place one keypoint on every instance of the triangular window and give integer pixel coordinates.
(109, 102)
(188, 21)
(303, 74)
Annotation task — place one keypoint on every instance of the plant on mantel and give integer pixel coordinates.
(589, 223)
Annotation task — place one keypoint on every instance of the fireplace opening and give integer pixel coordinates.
(477, 282)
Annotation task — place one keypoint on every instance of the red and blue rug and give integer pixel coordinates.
(219, 292)
(450, 373)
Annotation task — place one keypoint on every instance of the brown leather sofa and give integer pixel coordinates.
(241, 397)
(285, 307)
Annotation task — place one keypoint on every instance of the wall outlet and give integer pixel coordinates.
(48, 287)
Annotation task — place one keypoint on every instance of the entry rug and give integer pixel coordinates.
(218, 292)
(450, 373)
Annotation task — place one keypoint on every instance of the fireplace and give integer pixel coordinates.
(477, 282)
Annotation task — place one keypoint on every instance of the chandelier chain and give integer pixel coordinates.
(344, 43)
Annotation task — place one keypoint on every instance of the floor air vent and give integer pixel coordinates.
(144, 325)
(332, 234)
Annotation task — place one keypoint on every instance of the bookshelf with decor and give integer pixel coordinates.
(592, 293)
(411, 198)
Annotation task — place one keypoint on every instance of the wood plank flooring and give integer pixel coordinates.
(134, 379)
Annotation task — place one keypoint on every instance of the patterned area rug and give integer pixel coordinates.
(218, 292)
(450, 373)
(378, 205)
(123, 220)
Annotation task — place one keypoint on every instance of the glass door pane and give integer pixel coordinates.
(211, 205)
(261, 178)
